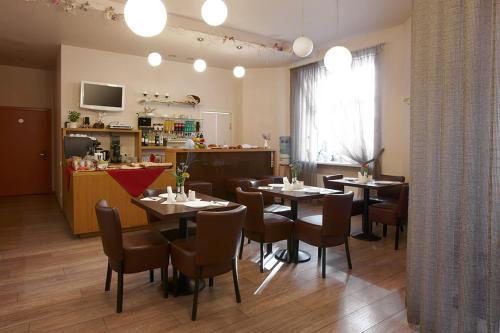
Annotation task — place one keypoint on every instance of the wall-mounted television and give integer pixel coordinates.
(102, 96)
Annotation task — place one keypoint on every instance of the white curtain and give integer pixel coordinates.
(453, 266)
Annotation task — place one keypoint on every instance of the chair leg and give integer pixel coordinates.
(235, 281)
(269, 248)
(319, 252)
(107, 287)
(176, 282)
(261, 257)
(162, 276)
(211, 282)
(151, 275)
(347, 253)
(323, 262)
(195, 298)
(397, 237)
(164, 273)
(119, 293)
(240, 255)
(385, 230)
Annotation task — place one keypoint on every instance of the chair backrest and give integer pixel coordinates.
(254, 201)
(268, 198)
(403, 201)
(110, 229)
(390, 192)
(336, 214)
(151, 192)
(203, 188)
(218, 235)
(333, 186)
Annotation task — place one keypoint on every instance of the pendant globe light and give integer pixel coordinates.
(146, 18)
(154, 59)
(302, 46)
(214, 12)
(338, 58)
(199, 64)
(239, 71)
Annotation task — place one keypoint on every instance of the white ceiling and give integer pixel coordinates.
(31, 30)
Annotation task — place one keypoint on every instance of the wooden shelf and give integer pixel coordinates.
(100, 130)
(168, 103)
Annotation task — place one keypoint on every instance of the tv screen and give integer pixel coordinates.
(102, 96)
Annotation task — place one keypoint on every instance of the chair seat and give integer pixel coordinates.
(183, 253)
(277, 227)
(385, 212)
(308, 229)
(144, 250)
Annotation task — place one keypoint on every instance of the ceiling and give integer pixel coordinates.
(30, 31)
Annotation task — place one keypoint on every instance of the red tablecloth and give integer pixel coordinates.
(135, 181)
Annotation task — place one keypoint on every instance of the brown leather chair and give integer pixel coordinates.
(232, 184)
(357, 204)
(263, 227)
(270, 205)
(392, 212)
(390, 193)
(329, 229)
(199, 186)
(211, 252)
(131, 252)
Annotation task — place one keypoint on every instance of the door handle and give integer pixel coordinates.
(43, 155)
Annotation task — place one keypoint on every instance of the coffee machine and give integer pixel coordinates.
(115, 149)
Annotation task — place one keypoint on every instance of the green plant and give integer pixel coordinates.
(73, 116)
(295, 170)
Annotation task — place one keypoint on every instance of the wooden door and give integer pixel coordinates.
(25, 166)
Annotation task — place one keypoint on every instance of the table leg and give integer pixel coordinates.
(186, 285)
(282, 254)
(367, 234)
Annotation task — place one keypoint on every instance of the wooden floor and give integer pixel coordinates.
(53, 282)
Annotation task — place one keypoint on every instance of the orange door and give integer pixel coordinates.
(25, 151)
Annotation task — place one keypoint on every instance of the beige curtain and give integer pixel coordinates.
(454, 228)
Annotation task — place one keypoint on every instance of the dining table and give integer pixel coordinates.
(184, 212)
(367, 233)
(294, 196)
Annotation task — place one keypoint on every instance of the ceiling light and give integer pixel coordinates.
(200, 65)
(239, 72)
(154, 59)
(214, 12)
(338, 59)
(303, 47)
(145, 18)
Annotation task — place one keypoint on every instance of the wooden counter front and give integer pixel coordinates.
(87, 188)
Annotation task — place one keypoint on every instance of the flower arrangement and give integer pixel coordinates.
(73, 116)
(364, 169)
(267, 139)
(181, 175)
(295, 170)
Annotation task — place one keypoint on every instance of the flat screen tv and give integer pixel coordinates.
(102, 96)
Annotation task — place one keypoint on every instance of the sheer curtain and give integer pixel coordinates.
(335, 118)
(453, 266)
(304, 85)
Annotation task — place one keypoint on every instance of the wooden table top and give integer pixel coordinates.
(173, 211)
(373, 185)
(296, 194)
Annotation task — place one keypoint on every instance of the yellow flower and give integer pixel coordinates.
(185, 175)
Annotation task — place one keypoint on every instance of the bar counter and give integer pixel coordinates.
(82, 190)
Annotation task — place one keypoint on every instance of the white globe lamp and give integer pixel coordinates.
(200, 65)
(338, 59)
(154, 59)
(303, 47)
(214, 12)
(239, 72)
(146, 18)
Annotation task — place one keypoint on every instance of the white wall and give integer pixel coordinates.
(26, 87)
(265, 105)
(217, 88)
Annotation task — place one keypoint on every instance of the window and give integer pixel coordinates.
(345, 113)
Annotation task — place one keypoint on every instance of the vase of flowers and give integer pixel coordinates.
(267, 140)
(181, 175)
(295, 170)
(73, 117)
(363, 173)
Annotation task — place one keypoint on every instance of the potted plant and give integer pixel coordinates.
(73, 117)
